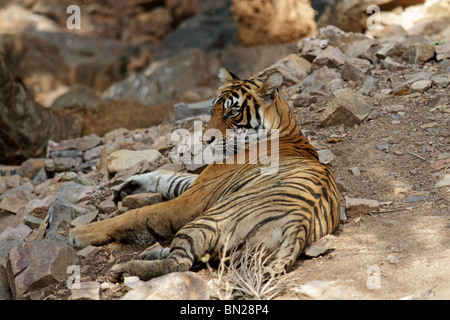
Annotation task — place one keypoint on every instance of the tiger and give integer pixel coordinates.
(229, 204)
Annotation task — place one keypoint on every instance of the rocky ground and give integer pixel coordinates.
(378, 112)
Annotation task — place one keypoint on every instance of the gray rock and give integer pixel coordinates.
(444, 181)
(32, 221)
(5, 290)
(326, 156)
(420, 86)
(163, 79)
(320, 246)
(79, 144)
(11, 237)
(441, 80)
(369, 86)
(391, 64)
(88, 251)
(63, 164)
(331, 57)
(412, 199)
(394, 108)
(77, 95)
(318, 79)
(123, 159)
(347, 107)
(413, 49)
(383, 147)
(107, 206)
(63, 210)
(141, 200)
(355, 206)
(355, 69)
(37, 264)
(188, 110)
(84, 219)
(293, 68)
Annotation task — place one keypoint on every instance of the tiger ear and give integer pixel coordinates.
(270, 85)
(226, 77)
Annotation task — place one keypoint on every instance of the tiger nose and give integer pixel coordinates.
(209, 140)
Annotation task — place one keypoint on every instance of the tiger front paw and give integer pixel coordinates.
(145, 270)
(91, 234)
(133, 185)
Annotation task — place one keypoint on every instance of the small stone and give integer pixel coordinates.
(132, 283)
(326, 156)
(391, 64)
(32, 221)
(383, 147)
(392, 259)
(444, 181)
(82, 144)
(347, 107)
(39, 207)
(89, 290)
(141, 200)
(355, 171)
(12, 204)
(370, 85)
(315, 288)
(355, 206)
(107, 206)
(394, 108)
(320, 246)
(332, 57)
(11, 181)
(88, 251)
(355, 69)
(412, 199)
(440, 80)
(84, 219)
(420, 86)
(31, 167)
(342, 214)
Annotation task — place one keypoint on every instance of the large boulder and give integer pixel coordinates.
(25, 126)
(34, 265)
(278, 21)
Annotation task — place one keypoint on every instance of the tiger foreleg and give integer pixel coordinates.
(168, 183)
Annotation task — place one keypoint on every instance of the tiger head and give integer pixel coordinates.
(244, 105)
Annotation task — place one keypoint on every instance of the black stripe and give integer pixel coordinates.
(156, 236)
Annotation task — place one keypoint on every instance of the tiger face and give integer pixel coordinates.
(243, 110)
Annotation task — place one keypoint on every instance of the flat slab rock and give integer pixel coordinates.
(173, 286)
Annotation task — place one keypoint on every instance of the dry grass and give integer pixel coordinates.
(250, 273)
